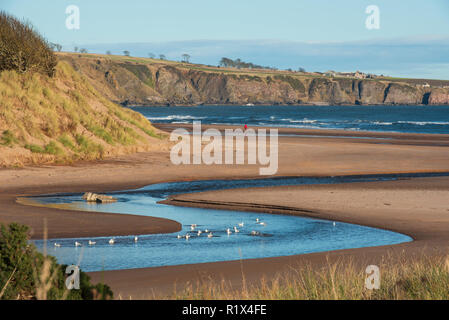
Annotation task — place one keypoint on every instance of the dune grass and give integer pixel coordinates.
(423, 279)
(64, 118)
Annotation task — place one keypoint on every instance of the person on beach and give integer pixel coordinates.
(246, 127)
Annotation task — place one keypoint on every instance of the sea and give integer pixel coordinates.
(411, 119)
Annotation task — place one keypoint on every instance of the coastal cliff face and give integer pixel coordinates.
(149, 82)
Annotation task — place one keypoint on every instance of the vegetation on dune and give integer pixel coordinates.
(50, 113)
(423, 279)
(22, 49)
(64, 117)
(26, 274)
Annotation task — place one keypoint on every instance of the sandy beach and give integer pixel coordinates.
(416, 207)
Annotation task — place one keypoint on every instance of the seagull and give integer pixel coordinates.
(77, 244)
(241, 224)
(210, 235)
(179, 236)
(199, 232)
(91, 243)
(192, 227)
(262, 224)
(136, 239)
(207, 231)
(112, 241)
(255, 233)
(187, 236)
(229, 231)
(236, 230)
(57, 245)
(335, 223)
(257, 220)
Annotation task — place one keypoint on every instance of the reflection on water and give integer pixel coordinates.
(281, 236)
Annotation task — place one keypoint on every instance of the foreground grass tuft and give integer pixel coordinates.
(423, 279)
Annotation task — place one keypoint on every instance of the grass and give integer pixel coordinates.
(8, 139)
(423, 279)
(65, 118)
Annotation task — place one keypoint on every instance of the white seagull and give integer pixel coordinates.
(199, 232)
(229, 231)
(77, 244)
(257, 220)
(91, 243)
(57, 245)
(241, 224)
(136, 239)
(179, 236)
(263, 224)
(112, 241)
(187, 236)
(210, 235)
(236, 230)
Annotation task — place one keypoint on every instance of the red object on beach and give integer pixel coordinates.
(246, 126)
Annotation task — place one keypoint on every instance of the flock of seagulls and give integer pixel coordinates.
(229, 231)
(92, 243)
(188, 235)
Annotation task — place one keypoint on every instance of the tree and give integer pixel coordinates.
(75, 49)
(301, 69)
(55, 46)
(238, 63)
(23, 49)
(126, 53)
(162, 56)
(83, 50)
(108, 53)
(185, 58)
(151, 55)
(226, 62)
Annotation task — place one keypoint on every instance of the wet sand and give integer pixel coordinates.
(302, 153)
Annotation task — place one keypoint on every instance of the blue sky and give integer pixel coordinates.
(413, 39)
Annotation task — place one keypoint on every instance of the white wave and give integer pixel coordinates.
(380, 123)
(176, 117)
(305, 120)
(423, 123)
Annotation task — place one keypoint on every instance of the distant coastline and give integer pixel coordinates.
(135, 81)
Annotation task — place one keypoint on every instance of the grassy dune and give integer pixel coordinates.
(64, 118)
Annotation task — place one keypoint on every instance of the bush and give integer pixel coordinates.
(27, 274)
(8, 138)
(23, 49)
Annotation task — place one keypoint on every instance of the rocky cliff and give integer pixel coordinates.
(138, 81)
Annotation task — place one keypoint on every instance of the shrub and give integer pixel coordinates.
(52, 148)
(23, 49)
(66, 141)
(27, 274)
(8, 138)
(35, 148)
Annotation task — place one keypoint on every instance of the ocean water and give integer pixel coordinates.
(412, 119)
(282, 235)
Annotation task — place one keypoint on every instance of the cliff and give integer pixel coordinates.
(140, 81)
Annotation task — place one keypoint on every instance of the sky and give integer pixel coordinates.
(412, 39)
